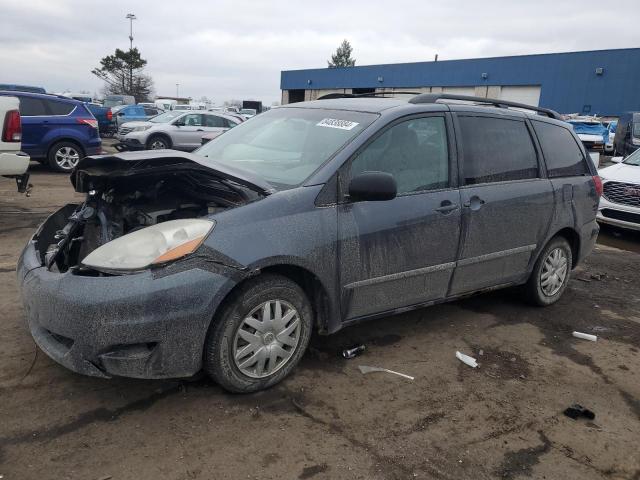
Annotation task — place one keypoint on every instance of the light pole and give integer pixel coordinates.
(131, 18)
(177, 90)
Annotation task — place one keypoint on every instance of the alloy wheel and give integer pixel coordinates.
(67, 157)
(554, 272)
(158, 145)
(266, 339)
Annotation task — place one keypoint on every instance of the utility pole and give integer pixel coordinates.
(131, 18)
(177, 90)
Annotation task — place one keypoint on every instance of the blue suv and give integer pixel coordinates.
(57, 130)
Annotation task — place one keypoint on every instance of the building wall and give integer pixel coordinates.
(568, 81)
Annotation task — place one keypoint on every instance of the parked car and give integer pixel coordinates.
(166, 104)
(182, 108)
(175, 129)
(620, 202)
(591, 132)
(115, 100)
(10, 87)
(308, 217)
(133, 113)
(611, 129)
(56, 129)
(207, 137)
(13, 162)
(627, 138)
(248, 113)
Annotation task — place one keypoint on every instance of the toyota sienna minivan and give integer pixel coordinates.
(310, 217)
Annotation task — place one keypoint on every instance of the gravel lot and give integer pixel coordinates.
(328, 421)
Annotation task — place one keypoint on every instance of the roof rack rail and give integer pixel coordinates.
(434, 97)
(330, 96)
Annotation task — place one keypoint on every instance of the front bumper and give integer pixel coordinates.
(142, 325)
(619, 215)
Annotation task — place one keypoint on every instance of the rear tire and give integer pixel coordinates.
(64, 156)
(158, 142)
(550, 274)
(259, 336)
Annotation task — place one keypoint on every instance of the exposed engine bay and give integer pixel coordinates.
(119, 202)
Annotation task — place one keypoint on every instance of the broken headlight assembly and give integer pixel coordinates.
(154, 245)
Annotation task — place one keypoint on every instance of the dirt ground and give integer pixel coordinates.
(328, 421)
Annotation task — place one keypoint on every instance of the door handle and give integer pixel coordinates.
(474, 203)
(446, 207)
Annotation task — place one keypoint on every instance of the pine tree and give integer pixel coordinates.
(342, 57)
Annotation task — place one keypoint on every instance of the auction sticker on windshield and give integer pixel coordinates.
(336, 123)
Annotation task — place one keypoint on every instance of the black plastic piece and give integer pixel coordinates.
(575, 411)
(353, 352)
(435, 97)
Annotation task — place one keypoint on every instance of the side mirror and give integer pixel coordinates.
(372, 187)
(178, 123)
(120, 114)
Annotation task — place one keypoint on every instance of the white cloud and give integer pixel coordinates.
(236, 49)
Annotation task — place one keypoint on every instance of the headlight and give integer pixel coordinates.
(153, 245)
(141, 128)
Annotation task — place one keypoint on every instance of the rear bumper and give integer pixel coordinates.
(588, 236)
(14, 163)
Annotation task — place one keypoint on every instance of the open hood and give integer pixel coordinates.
(92, 172)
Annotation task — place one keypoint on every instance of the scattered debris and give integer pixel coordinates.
(598, 276)
(466, 359)
(353, 352)
(366, 369)
(481, 352)
(585, 336)
(576, 410)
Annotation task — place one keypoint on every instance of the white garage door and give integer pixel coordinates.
(527, 94)
(470, 91)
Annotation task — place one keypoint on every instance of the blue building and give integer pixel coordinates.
(602, 82)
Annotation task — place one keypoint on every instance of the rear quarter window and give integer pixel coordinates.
(563, 155)
(32, 107)
(496, 150)
(59, 108)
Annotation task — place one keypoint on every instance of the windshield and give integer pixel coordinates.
(248, 111)
(286, 145)
(165, 117)
(633, 159)
(613, 126)
(636, 130)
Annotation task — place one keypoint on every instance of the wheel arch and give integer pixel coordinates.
(163, 135)
(312, 286)
(573, 238)
(55, 141)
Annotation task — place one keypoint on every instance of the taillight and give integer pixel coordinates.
(12, 130)
(92, 122)
(598, 181)
(109, 115)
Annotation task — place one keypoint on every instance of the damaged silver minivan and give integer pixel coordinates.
(310, 217)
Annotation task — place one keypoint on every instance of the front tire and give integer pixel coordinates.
(259, 336)
(64, 156)
(158, 142)
(550, 274)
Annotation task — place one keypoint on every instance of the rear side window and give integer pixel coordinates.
(32, 107)
(59, 108)
(215, 121)
(563, 155)
(497, 150)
